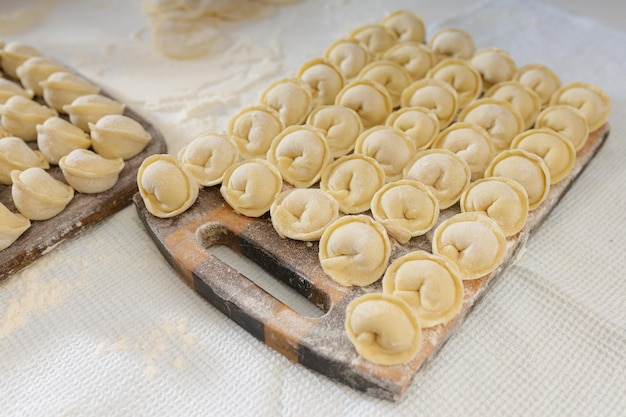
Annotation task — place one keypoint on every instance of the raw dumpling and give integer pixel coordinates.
(208, 157)
(253, 129)
(591, 100)
(300, 153)
(57, 137)
(383, 329)
(462, 76)
(324, 78)
(118, 136)
(435, 95)
(388, 145)
(414, 57)
(37, 195)
(166, 187)
(355, 250)
(303, 213)
(349, 55)
(9, 89)
(418, 123)
(251, 186)
(494, 65)
(568, 121)
(341, 126)
(20, 116)
(292, 98)
(527, 169)
(37, 69)
(502, 199)
(555, 149)
(90, 108)
(15, 154)
(429, 284)
(390, 75)
(497, 117)
(376, 38)
(471, 143)
(369, 99)
(472, 241)
(541, 79)
(406, 208)
(12, 226)
(352, 180)
(407, 26)
(444, 172)
(62, 88)
(452, 43)
(14, 54)
(89, 173)
(522, 98)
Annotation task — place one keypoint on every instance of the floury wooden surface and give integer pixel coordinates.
(319, 343)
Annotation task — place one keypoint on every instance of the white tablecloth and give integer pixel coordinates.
(102, 325)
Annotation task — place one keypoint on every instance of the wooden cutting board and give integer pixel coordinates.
(319, 343)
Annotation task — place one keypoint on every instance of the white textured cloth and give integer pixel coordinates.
(102, 325)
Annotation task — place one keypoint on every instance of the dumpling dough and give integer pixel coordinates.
(90, 108)
(473, 241)
(37, 195)
(418, 123)
(300, 153)
(166, 187)
(568, 121)
(470, 142)
(349, 55)
(15, 154)
(303, 213)
(444, 172)
(555, 149)
(429, 284)
(500, 198)
(355, 250)
(497, 117)
(57, 137)
(369, 99)
(324, 78)
(462, 76)
(406, 208)
(9, 89)
(341, 126)
(388, 145)
(414, 57)
(527, 169)
(251, 186)
(390, 75)
(14, 54)
(292, 98)
(352, 180)
(208, 157)
(253, 129)
(12, 226)
(541, 79)
(383, 329)
(61, 88)
(408, 26)
(37, 69)
(435, 95)
(89, 173)
(494, 65)
(376, 38)
(522, 98)
(589, 99)
(118, 136)
(20, 116)
(452, 43)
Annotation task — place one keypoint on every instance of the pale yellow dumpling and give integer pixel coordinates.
(390, 75)
(61, 88)
(90, 108)
(324, 78)
(494, 65)
(118, 136)
(37, 195)
(429, 284)
(57, 137)
(522, 98)
(462, 76)
(541, 79)
(208, 156)
(369, 99)
(407, 26)
(568, 121)
(435, 95)
(418, 123)
(591, 100)
(349, 55)
(341, 126)
(20, 116)
(253, 129)
(14, 54)
(292, 98)
(15, 154)
(12, 226)
(89, 173)
(37, 69)
(452, 43)
(376, 38)
(388, 145)
(414, 57)
(9, 89)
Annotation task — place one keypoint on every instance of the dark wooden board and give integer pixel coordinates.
(318, 343)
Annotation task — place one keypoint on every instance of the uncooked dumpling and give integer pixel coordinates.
(418, 123)
(541, 79)
(462, 76)
(406, 208)
(15, 154)
(388, 145)
(414, 57)
(376, 38)
(407, 26)
(9, 89)
(292, 98)
(14, 54)
(383, 329)
(208, 156)
(568, 121)
(522, 98)
(118, 136)
(20, 116)
(57, 137)
(591, 100)
(369, 99)
(429, 284)
(324, 78)
(37, 69)
(253, 129)
(341, 126)
(37, 195)
(90, 108)
(452, 43)
(12, 226)
(61, 88)
(89, 173)
(494, 65)
(349, 55)
(435, 95)
(390, 75)
(355, 250)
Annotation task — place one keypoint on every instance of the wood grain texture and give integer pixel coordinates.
(318, 343)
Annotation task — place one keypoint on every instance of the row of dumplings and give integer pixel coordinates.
(50, 116)
(387, 125)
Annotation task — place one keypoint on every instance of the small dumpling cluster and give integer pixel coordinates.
(58, 135)
(365, 146)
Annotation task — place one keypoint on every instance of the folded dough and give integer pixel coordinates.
(61, 88)
(37, 195)
(390, 75)
(354, 250)
(541, 79)
(253, 129)
(435, 95)
(15, 154)
(418, 123)
(341, 126)
(324, 78)
(292, 98)
(429, 284)
(369, 99)
(407, 26)
(388, 145)
(14, 54)
(452, 43)
(12, 226)
(20, 116)
(37, 69)
(9, 88)
(349, 55)
(90, 108)
(118, 136)
(208, 156)
(568, 121)
(494, 65)
(414, 57)
(376, 38)
(89, 173)
(56, 137)
(523, 99)
(591, 100)
(461, 75)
